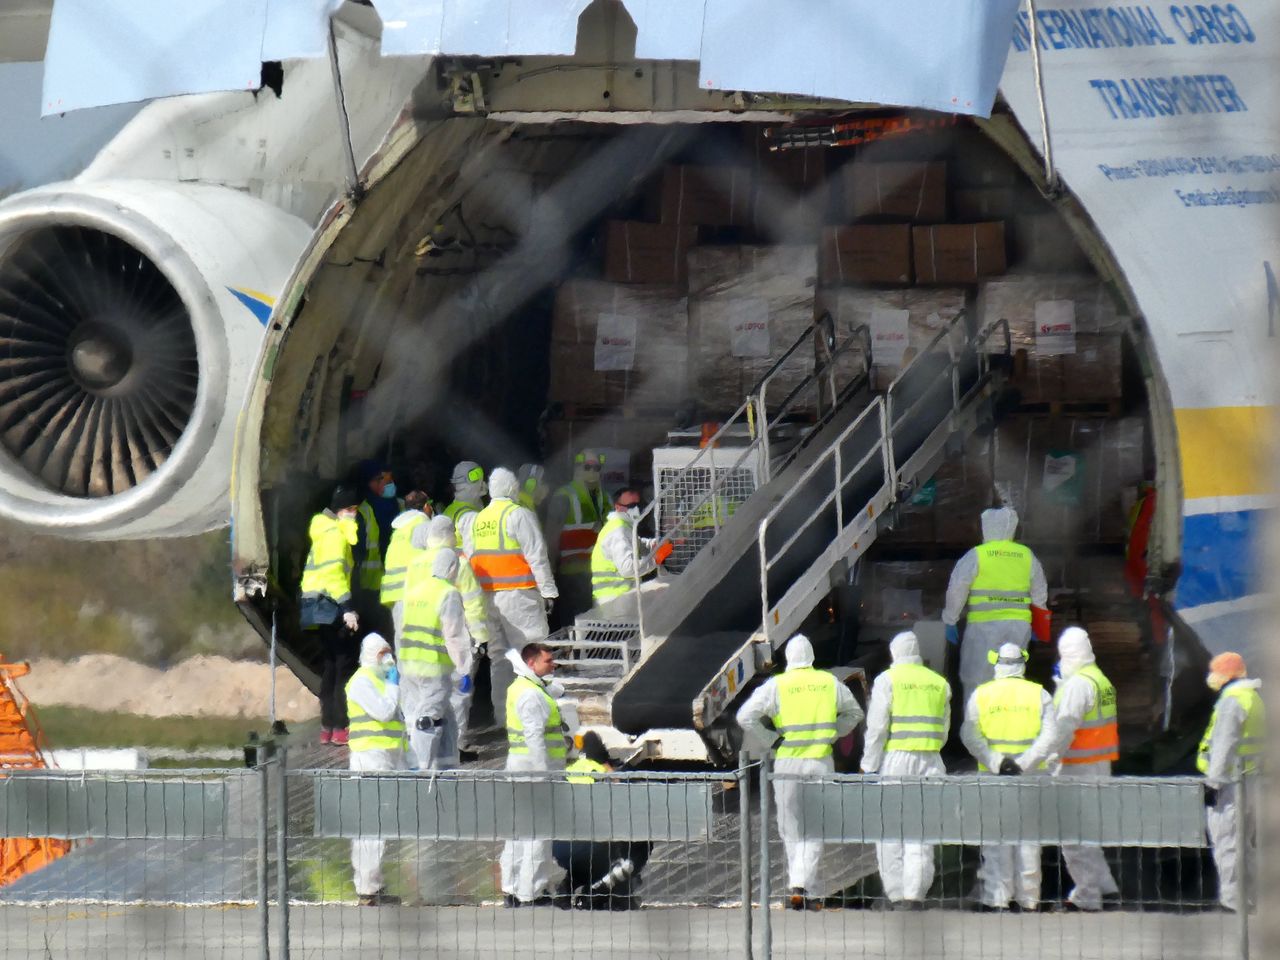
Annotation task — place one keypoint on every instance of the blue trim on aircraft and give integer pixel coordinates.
(1219, 558)
(259, 304)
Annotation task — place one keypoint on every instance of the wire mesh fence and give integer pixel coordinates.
(489, 863)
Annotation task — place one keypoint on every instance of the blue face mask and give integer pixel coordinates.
(389, 490)
(1057, 671)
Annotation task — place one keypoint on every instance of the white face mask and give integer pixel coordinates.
(385, 663)
(633, 513)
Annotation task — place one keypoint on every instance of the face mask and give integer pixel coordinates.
(633, 513)
(389, 490)
(385, 663)
(1216, 682)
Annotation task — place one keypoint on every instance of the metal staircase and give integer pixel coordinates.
(824, 500)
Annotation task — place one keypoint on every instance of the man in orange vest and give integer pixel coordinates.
(1084, 738)
(575, 514)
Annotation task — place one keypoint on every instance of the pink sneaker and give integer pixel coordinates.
(340, 737)
(326, 735)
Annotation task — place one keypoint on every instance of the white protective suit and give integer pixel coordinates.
(366, 855)
(998, 524)
(906, 869)
(520, 615)
(406, 519)
(431, 538)
(616, 545)
(803, 856)
(1224, 768)
(1075, 697)
(425, 691)
(1009, 872)
(526, 864)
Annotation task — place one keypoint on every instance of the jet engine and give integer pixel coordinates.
(131, 316)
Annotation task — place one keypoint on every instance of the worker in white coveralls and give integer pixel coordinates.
(434, 649)
(614, 561)
(1081, 741)
(1232, 745)
(908, 717)
(376, 743)
(428, 540)
(417, 511)
(537, 739)
(469, 491)
(509, 557)
(995, 586)
(1001, 721)
(809, 710)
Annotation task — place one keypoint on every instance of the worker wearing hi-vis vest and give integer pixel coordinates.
(908, 717)
(509, 558)
(1002, 720)
(809, 710)
(995, 586)
(434, 652)
(469, 490)
(614, 563)
(575, 514)
(537, 739)
(377, 743)
(1082, 741)
(1233, 745)
(417, 510)
(533, 487)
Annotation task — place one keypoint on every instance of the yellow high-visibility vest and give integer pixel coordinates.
(1098, 736)
(1009, 714)
(553, 735)
(498, 559)
(363, 731)
(1251, 737)
(583, 770)
(607, 580)
(917, 717)
(582, 523)
(806, 715)
(1002, 588)
(398, 552)
(421, 648)
(327, 572)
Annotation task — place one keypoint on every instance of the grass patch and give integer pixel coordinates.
(69, 727)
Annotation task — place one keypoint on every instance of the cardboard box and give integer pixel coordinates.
(1019, 299)
(899, 191)
(978, 162)
(865, 254)
(651, 253)
(1095, 370)
(987, 203)
(1043, 243)
(708, 196)
(958, 253)
(1040, 379)
(791, 196)
(903, 592)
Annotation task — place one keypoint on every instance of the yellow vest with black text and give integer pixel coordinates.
(918, 714)
(607, 580)
(363, 731)
(1249, 749)
(328, 568)
(398, 552)
(806, 715)
(1002, 588)
(553, 733)
(1010, 711)
(421, 650)
(498, 559)
(582, 521)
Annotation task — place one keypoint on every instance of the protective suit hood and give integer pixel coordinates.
(502, 484)
(372, 647)
(439, 533)
(407, 518)
(445, 565)
(521, 668)
(1010, 661)
(999, 523)
(1074, 651)
(905, 648)
(799, 652)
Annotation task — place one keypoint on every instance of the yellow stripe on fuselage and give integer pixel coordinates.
(1225, 451)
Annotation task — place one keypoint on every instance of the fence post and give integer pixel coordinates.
(1242, 864)
(766, 924)
(744, 848)
(282, 851)
(264, 916)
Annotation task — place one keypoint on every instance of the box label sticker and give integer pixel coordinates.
(1055, 327)
(615, 341)
(748, 322)
(890, 335)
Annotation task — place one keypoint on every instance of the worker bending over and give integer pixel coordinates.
(1084, 739)
(908, 717)
(1232, 745)
(1002, 720)
(377, 743)
(614, 563)
(575, 514)
(995, 585)
(469, 490)
(809, 710)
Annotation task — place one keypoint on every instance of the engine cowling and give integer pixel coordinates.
(131, 316)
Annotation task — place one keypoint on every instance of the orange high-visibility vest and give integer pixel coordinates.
(1098, 736)
(498, 560)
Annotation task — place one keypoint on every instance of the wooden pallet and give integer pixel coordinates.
(1109, 409)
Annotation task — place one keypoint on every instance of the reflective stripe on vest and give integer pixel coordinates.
(581, 525)
(498, 559)
(1098, 736)
(1002, 588)
(370, 573)
(806, 715)
(607, 580)
(1009, 714)
(917, 716)
(363, 731)
(327, 572)
(583, 770)
(421, 650)
(398, 552)
(456, 509)
(1251, 734)
(553, 735)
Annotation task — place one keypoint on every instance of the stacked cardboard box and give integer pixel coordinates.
(958, 252)
(648, 253)
(900, 593)
(701, 195)
(614, 344)
(916, 192)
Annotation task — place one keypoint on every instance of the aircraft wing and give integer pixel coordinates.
(24, 28)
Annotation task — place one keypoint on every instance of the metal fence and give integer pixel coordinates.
(253, 863)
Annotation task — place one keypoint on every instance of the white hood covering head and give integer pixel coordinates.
(372, 648)
(999, 523)
(1010, 661)
(468, 491)
(445, 565)
(502, 483)
(905, 648)
(799, 652)
(439, 532)
(1074, 650)
(406, 518)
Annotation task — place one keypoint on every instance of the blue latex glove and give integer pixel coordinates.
(393, 676)
(464, 685)
(953, 634)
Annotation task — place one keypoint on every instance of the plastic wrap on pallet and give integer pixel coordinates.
(903, 592)
(619, 343)
(962, 491)
(747, 305)
(902, 323)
